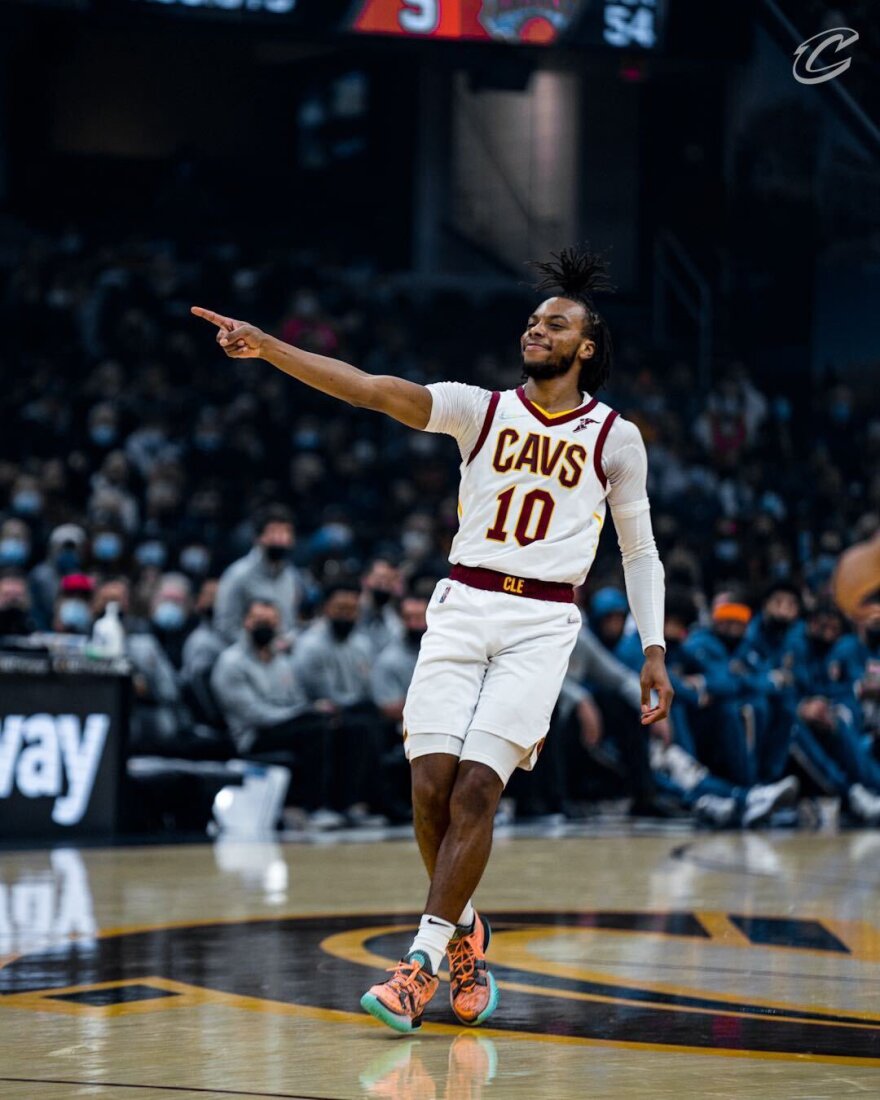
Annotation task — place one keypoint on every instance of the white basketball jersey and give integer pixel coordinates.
(532, 499)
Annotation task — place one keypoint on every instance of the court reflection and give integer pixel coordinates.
(43, 899)
(432, 1069)
(259, 865)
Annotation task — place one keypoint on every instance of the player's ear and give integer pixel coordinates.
(587, 349)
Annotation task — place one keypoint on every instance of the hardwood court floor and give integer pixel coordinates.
(630, 964)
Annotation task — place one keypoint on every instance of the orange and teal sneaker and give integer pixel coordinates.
(472, 989)
(400, 1001)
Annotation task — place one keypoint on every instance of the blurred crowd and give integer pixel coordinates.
(271, 553)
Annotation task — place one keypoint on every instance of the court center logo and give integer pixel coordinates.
(526, 20)
(808, 65)
(556, 981)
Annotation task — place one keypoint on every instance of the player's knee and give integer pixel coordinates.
(476, 792)
(431, 789)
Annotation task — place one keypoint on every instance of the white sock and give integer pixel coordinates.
(432, 939)
(468, 916)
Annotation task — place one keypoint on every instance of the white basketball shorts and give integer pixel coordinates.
(490, 662)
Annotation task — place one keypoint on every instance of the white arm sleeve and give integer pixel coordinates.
(625, 463)
(458, 410)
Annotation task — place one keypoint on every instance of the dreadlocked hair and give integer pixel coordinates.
(577, 274)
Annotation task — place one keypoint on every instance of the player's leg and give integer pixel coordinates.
(433, 777)
(464, 852)
(442, 697)
(530, 655)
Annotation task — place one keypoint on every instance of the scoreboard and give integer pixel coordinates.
(615, 23)
(619, 24)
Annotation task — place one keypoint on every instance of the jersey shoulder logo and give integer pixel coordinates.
(584, 421)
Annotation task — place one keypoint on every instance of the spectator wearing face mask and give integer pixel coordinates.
(15, 544)
(26, 499)
(734, 734)
(15, 604)
(334, 660)
(108, 550)
(380, 620)
(73, 612)
(677, 771)
(264, 573)
(66, 553)
(827, 739)
(395, 665)
(333, 656)
(766, 651)
(204, 645)
(719, 728)
(159, 719)
(267, 709)
(772, 632)
(608, 612)
(103, 431)
(151, 554)
(171, 614)
(195, 561)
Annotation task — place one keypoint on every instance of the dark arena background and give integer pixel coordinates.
(214, 579)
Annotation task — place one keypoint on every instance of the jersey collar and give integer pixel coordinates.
(549, 419)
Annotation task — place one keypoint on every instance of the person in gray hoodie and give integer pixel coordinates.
(267, 711)
(265, 573)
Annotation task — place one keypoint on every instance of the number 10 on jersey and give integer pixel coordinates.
(533, 522)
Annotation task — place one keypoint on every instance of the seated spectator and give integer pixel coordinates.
(382, 586)
(108, 549)
(195, 561)
(395, 665)
(204, 645)
(117, 590)
(732, 728)
(333, 657)
(677, 771)
(827, 739)
(268, 711)
(598, 715)
(171, 615)
(15, 544)
(765, 652)
(15, 604)
(770, 633)
(160, 720)
(334, 660)
(608, 612)
(73, 612)
(67, 552)
(266, 573)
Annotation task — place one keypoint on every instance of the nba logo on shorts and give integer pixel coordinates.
(446, 592)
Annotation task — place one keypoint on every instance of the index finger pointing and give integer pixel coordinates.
(214, 318)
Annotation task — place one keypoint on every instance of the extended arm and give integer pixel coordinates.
(626, 466)
(406, 401)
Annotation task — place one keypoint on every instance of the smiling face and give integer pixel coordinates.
(554, 342)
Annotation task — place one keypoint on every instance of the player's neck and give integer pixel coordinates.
(554, 394)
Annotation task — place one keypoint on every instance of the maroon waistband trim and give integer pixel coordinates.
(490, 580)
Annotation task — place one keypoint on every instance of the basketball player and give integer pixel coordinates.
(538, 464)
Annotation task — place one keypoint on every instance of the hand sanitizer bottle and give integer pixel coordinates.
(108, 634)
